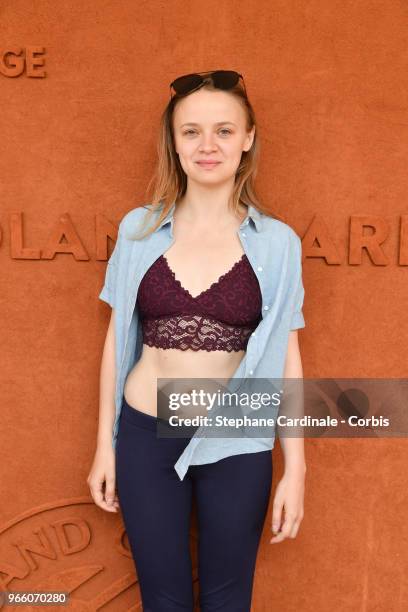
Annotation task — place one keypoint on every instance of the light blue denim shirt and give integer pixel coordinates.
(275, 253)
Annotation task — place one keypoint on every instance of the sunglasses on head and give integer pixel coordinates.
(222, 79)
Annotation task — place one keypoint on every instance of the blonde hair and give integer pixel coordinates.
(169, 181)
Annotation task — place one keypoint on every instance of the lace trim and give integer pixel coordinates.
(214, 284)
(195, 332)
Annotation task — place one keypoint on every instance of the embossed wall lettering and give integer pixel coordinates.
(368, 240)
(63, 237)
(15, 61)
(70, 545)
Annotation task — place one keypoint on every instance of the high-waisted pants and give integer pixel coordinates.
(231, 497)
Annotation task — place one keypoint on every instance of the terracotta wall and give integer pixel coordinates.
(82, 85)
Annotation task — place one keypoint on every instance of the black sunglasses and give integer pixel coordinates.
(222, 79)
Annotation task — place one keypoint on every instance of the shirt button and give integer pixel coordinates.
(251, 372)
(259, 268)
(266, 307)
(253, 334)
(243, 233)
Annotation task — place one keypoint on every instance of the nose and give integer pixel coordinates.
(207, 142)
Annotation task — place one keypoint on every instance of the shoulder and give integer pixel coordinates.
(279, 229)
(132, 221)
(285, 243)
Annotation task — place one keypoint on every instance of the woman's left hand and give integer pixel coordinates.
(289, 497)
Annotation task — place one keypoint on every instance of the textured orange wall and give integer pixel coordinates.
(328, 81)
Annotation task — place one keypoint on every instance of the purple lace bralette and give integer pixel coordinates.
(220, 318)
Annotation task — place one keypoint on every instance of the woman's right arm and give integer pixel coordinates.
(103, 467)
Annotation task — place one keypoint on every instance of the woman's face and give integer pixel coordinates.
(210, 126)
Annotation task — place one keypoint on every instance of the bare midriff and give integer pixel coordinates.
(141, 385)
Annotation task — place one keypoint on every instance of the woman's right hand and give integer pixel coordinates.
(103, 472)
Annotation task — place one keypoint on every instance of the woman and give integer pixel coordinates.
(212, 288)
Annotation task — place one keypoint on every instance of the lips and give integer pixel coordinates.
(208, 164)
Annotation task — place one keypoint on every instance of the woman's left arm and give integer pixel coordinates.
(290, 489)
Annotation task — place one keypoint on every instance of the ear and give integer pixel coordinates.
(249, 139)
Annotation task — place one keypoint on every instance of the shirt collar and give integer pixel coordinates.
(253, 213)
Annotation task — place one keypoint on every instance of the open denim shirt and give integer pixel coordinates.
(274, 251)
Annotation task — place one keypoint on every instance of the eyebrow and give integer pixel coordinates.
(218, 123)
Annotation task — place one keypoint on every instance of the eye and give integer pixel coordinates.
(222, 131)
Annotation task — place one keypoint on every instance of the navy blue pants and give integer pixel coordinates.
(231, 497)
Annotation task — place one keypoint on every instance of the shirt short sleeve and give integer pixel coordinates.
(108, 293)
(297, 320)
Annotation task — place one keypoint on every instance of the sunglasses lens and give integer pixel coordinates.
(186, 83)
(222, 79)
(225, 79)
